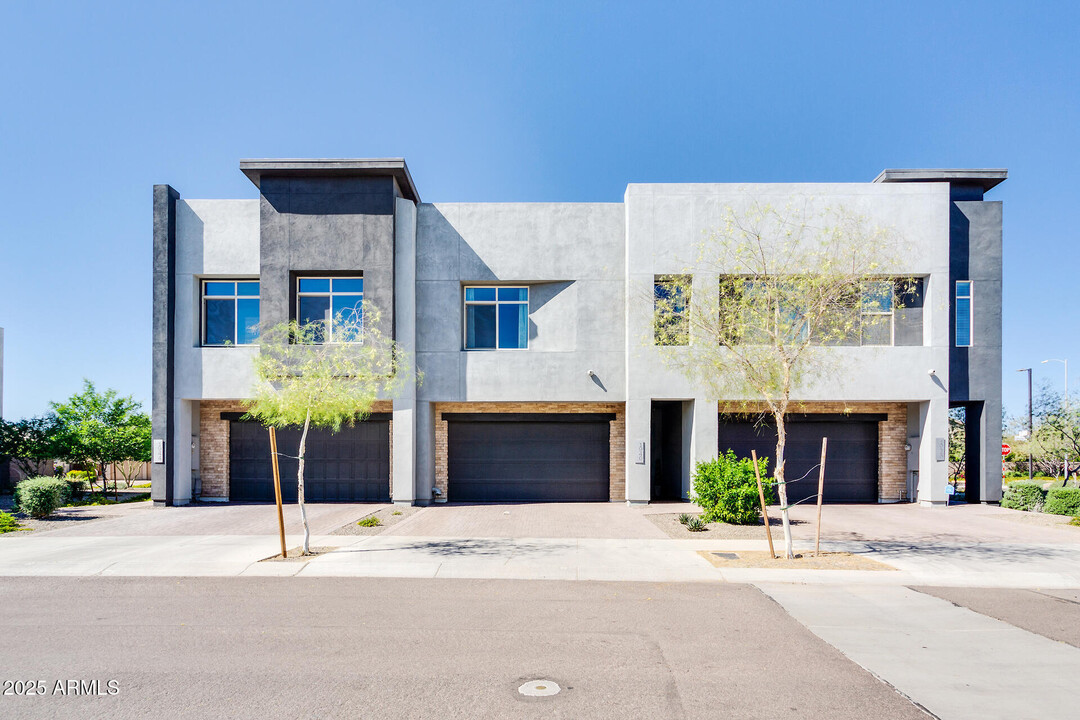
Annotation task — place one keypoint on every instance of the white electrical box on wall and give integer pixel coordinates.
(641, 453)
(159, 452)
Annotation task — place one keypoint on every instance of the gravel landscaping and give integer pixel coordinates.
(716, 531)
(387, 517)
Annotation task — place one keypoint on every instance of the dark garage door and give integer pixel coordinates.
(352, 465)
(495, 458)
(851, 466)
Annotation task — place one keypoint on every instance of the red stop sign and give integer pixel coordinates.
(1005, 449)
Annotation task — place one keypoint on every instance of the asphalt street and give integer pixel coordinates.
(418, 648)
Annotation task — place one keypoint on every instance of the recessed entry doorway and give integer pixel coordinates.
(670, 451)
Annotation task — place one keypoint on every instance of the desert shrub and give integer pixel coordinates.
(684, 518)
(8, 523)
(694, 524)
(1063, 501)
(1024, 496)
(369, 521)
(726, 489)
(39, 496)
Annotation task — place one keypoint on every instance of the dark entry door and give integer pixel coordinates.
(352, 465)
(560, 458)
(851, 466)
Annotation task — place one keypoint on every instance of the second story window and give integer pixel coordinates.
(876, 309)
(334, 304)
(671, 322)
(496, 317)
(230, 312)
(964, 297)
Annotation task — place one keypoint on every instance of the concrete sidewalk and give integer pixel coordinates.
(956, 663)
(1047, 566)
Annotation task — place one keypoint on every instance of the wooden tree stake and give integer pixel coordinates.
(820, 494)
(277, 491)
(761, 497)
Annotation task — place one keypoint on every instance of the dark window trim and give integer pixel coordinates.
(807, 417)
(244, 417)
(530, 417)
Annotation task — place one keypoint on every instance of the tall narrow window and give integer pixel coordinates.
(230, 312)
(964, 300)
(876, 308)
(334, 305)
(670, 300)
(496, 317)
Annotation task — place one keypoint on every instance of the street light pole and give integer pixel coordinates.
(1065, 362)
(1031, 473)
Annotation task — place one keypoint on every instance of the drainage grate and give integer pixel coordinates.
(539, 688)
(726, 556)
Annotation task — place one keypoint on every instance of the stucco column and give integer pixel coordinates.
(404, 488)
(933, 451)
(638, 453)
(181, 447)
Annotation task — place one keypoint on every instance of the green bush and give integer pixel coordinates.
(1024, 496)
(8, 523)
(370, 521)
(39, 496)
(726, 489)
(1063, 501)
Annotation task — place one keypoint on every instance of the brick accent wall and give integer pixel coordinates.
(214, 445)
(892, 436)
(616, 435)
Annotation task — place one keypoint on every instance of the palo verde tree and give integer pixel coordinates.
(324, 374)
(772, 289)
(96, 429)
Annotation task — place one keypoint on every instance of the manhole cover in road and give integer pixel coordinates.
(726, 556)
(539, 688)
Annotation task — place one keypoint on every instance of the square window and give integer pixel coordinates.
(230, 312)
(334, 305)
(496, 318)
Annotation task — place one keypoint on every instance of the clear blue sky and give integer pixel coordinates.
(506, 101)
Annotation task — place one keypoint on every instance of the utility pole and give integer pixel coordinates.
(1031, 473)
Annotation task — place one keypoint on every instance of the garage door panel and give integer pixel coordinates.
(351, 465)
(851, 468)
(528, 461)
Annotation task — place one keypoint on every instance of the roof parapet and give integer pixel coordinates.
(984, 178)
(333, 167)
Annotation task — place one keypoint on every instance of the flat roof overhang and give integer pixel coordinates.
(984, 178)
(359, 167)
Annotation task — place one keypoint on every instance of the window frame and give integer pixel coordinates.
(679, 315)
(331, 293)
(235, 297)
(496, 303)
(891, 314)
(970, 297)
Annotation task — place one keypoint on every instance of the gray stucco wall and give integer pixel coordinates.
(570, 255)
(665, 227)
(314, 225)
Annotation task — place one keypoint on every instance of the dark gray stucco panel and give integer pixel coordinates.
(975, 253)
(163, 345)
(310, 225)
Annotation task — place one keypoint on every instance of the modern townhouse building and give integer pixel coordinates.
(532, 325)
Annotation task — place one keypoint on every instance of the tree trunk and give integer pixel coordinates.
(781, 488)
(300, 485)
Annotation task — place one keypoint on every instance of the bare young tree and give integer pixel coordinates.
(769, 291)
(324, 374)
